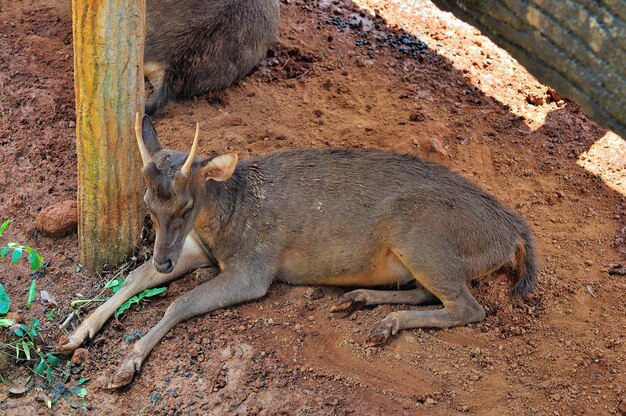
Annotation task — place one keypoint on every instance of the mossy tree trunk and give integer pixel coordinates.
(108, 81)
(576, 47)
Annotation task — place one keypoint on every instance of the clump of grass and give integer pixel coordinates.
(22, 342)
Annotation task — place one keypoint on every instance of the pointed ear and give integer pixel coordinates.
(150, 138)
(221, 167)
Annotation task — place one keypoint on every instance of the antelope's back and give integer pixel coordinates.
(359, 200)
(209, 44)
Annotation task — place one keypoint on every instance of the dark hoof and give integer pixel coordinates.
(67, 345)
(383, 330)
(120, 379)
(349, 303)
(126, 371)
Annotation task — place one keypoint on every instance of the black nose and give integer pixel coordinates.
(164, 267)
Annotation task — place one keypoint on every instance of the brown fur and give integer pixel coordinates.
(198, 46)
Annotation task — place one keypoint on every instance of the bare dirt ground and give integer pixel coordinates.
(356, 75)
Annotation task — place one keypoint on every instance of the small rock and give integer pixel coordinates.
(155, 397)
(417, 117)
(17, 390)
(80, 356)
(58, 220)
(437, 147)
(620, 240)
(535, 99)
(47, 297)
(42, 397)
(622, 407)
(313, 293)
(588, 263)
(430, 401)
(614, 270)
(556, 397)
(554, 94)
(270, 321)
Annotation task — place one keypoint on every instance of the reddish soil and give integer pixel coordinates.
(462, 102)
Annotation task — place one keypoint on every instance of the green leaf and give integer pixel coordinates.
(26, 350)
(52, 359)
(6, 323)
(82, 392)
(4, 252)
(19, 332)
(32, 292)
(126, 305)
(17, 253)
(83, 380)
(5, 302)
(152, 292)
(35, 324)
(4, 226)
(115, 285)
(49, 374)
(50, 314)
(135, 299)
(112, 283)
(35, 260)
(40, 367)
(5, 380)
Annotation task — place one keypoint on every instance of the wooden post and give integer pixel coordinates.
(108, 80)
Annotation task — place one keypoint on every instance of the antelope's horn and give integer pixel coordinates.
(145, 156)
(186, 169)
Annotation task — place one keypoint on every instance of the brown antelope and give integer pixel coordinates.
(198, 46)
(317, 217)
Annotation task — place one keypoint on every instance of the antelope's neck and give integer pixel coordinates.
(217, 207)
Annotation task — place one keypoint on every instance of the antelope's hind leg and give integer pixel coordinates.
(359, 298)
(446, 281)
(143, 277)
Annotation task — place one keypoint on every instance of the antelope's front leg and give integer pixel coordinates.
(143, 277)
(228, 288)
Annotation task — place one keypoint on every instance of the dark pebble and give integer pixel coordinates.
(155, 397)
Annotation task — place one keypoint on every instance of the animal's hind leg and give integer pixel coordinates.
(460, 311)
(447, 283)
(359, 298)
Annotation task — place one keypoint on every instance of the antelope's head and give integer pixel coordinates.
(175, 189)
